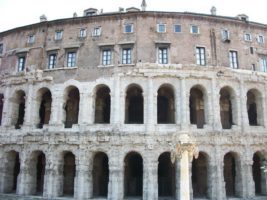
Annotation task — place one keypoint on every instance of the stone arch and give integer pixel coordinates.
(165, 104)
(200, 179)
(36, 167)
(18, 109)
(102, 104)
(254, 107)
(71, 108)
(232, 175)
(134, 105)
(197, 105)
(166, 176)
(100, 175)
(68, 173)
(259, 177)
(228, 107)
(11, 173)
(1, 107)
(43, 105)
(133, 175)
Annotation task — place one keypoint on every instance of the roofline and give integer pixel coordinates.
(64, 20)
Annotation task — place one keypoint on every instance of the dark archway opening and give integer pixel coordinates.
(200, 177)
(102, 105)
(134, 106)
(100, 175)
(20, 101)
(257, 176)
(196, 106)
(226, 109)
(1, 107)
(133, 175)
(12, 169)
(229, 172)
(68, 174)
(45, 109)
(165, 105)
(166, 176)
(252, 109)
(72, 107)
(40, 173)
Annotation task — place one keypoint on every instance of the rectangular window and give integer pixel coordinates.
(194, 29)
(1, 48)
(52, 58)
(161, 28)
(260, 39)
(97, 31)
(200, 56)
(58, 35)
(106, 57)
(126, 56)
(163, 55)
(82, 33)
(263, 63)
(128, 28)
(177, 28)
(71, 59)
(31, 39)
(233, 59)
(21, 63)
(225, 35)
(247, 37)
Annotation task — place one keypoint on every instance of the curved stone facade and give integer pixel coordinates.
(143, 105)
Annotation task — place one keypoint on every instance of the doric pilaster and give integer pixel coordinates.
(57, 107)
(115, 102)
(216, 106)
(24, 176)
(83, 179)
(150, 119)
(184, 99)
(150, 177)
(28, 106)
(115, 185)
(85, 108)
(243, 101)
(7, 108)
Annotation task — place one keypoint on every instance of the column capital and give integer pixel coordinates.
(180, 148)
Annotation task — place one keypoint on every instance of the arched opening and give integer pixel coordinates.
(226, 108)
(44, 107)
(133, 175)
(18, 109)
(165, 105)
(196, 106)
(1, 107)
(68, 174)
(200, 176)
(12, 169)
(36, 167)
(232, 176)
(258, 175)
(102, 105)
(100, 175)
(166, 176)
(134, 105)
(72, 106)
(254, 107)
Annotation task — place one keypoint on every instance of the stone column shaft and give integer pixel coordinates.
(185, 107)
(84, 108)
(216, 106)
(7, 108)
(57, 108)
(28, 106)
(184, 177)
(115, 102)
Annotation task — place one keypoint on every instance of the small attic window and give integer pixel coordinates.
(242, 17)
(90, 12)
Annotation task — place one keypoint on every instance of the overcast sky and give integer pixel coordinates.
(15, 13)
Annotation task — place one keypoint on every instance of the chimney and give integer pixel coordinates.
(143, 5)
(213, 10)
(43, 18)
